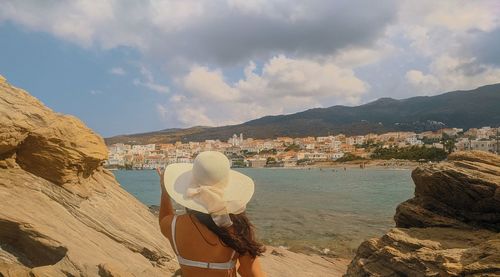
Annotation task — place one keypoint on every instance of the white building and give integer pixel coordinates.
(336, 145)
(324, 139)
(235, 140)
(355, 140)
(484, 145)
(310, 146)
(413, 140)
(115, 159)
(484, 133)
(462, 144)
(312, 156)
(141, 149)
(337, 155)
(438, 145)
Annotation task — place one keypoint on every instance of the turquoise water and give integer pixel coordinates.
(329, 211)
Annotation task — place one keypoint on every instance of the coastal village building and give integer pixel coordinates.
(289, 152)
(336, 155)
(257, 163)
(484, 145)
(355, 140)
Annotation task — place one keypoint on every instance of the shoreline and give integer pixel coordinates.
(359, 164)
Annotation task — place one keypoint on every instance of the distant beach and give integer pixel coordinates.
(359, 164)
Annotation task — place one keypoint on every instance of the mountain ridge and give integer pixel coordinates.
(460, 108)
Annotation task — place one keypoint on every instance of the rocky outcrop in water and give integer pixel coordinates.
(450, 228)
(61, 213)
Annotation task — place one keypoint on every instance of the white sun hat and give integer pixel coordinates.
(208, 185)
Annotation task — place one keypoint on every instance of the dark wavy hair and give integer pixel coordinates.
(242, 236)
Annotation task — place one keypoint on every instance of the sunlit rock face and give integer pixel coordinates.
(61, 212)
(450, 228)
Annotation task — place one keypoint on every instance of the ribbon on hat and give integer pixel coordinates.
(211, 198)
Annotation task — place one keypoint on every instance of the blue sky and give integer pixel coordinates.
(124, 67)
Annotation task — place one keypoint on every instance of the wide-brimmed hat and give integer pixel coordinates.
(208, 185)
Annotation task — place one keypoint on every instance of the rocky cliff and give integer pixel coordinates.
(450, 228)
(61, 213)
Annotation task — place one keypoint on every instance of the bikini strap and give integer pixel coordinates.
(174, 221)
(232, 256)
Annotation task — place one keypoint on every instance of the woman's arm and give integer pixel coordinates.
(250, 267)
(165, 205)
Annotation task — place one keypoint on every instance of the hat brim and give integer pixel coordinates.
(177, 179)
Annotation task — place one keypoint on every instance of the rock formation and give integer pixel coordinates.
(61, 213)
(281, 262)
(450, 228)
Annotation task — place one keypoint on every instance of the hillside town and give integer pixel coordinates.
(293, 152)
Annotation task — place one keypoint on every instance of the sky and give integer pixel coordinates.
(126, 66)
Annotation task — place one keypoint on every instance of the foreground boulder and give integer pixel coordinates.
(61, 212)
(450, 228)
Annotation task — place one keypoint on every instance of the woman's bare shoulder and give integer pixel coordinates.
(166, 225)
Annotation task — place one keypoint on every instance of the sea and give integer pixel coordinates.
(323, 211)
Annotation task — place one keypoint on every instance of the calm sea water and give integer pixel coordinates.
(328, 211)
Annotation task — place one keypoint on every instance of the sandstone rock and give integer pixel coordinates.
(61, 213)
(39, 137)
(281, 262)
(461, 193)
(450, 228)
(429, 251)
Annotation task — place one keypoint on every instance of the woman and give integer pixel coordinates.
(214, 238)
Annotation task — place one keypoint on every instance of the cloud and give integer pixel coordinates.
(435, 27)
(117, 71)
(484, 46)
(221, 32)
(453, 42)
(451, 73)
(283, 85)
(202, 82)
(148, 81)
(425, 82)
(95, 92)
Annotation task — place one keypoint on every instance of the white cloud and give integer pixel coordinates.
(200, 31)
(210, 85)
(282, 76)
(117, 71)
(284, 85)
(95, 92)
(438, 33)
(148, 81)
(360, 56)
(449, 73)
(425, 82)
(463, 15)
(455, 16)
(436, 27)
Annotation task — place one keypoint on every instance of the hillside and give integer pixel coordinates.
(462, 109)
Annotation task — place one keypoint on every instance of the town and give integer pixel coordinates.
(293, 152)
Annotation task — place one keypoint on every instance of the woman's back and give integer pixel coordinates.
(196, 242)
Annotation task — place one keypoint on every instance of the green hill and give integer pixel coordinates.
(461, 109)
